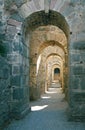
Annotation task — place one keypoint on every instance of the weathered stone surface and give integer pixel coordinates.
(5, 95)
(15, 80)
(9, 3)
(18, 93)
(13, 22)
(16, 69)
(14, 58)
(26, 34)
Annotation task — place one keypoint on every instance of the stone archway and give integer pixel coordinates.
(22, 52)
(39, 32)
(56, 74)
(17, 25)
(52, 62)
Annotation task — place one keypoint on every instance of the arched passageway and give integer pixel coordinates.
(46, 38)
(34, 40)
(47, 113)
(56, 74)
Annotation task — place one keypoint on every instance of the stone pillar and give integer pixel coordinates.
(18, 58)
(34, 87)
(77, 81)
(5, 95)
(66, 77)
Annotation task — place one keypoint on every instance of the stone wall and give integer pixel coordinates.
(44, 41)
(14, 66)
(18, 58)
(15, 16)
(77, 64)
(77, 81)
(5, 95)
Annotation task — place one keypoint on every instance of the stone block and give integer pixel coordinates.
(36, 95)
(5, 95)
(75, 57)
(4, 108)
(2, 37)
(6, 73)
(23, 80)
(15, 23)
(1, 2)
(20, 2)
(82, 55)
(2, 85)
(74, 82)
(78, 98)
(2, 28)
(18, 93)
(14, 58)
(25, 49)
(7, 46)
(15, 69)
(20, 109)
(82, 82)
(79, 45)
(4, 117)
(17, 46)
(78, 70)
(27, 62)
(16, 80)
(25, 70)
(11, 30)
(27, 80)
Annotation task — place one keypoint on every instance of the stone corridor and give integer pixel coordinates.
(47, 113)
(42, 42)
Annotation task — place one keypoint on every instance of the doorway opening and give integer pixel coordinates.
(56, 74)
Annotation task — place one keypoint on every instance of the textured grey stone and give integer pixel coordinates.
(5, 95)
(16, 70)
(78, 70)
(18, 93)
(14, 44)
(16, 80)
(14, 58)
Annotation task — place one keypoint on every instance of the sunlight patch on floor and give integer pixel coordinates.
(50, 92)
(45, 97)
(38, 108)
(53, 90)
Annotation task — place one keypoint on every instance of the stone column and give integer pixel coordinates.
(18, 58)
(77, 81)
(66, 76)
(5, 95)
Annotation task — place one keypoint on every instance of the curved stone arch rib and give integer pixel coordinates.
(54, 54)
(55, 66)
(37, 19)
(51, 43)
